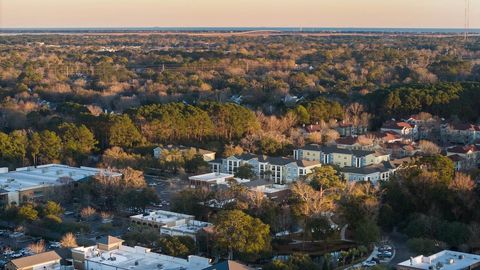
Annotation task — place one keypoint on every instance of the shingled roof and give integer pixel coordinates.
(36, 259)
(228, 265)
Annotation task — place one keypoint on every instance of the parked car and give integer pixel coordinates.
(387, 254)
(369, 263)
(385, 248)
(8, 252)
(16, 255)
(54, 244)
(16, 234)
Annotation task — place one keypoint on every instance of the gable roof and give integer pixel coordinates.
(313, 128)
(396, 125)
(228, 265)
(463, 126)
(36, 259)
(347, 140)
(109, 240)
(456, 158)
(382, 167)
(462, 149)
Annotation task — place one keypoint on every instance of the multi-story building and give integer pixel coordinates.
(459, 133)
(171, 223)
(110, 253)
(404, 129)
(35, 183)
(278, 169)
(349, 129)
(353, 143)
(468, 156)
(372, 173)
(340, 157)
(355, 165)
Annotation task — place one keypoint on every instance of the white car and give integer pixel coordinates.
(8, 252)
(16, 255)
(55, 245)
(369, 263)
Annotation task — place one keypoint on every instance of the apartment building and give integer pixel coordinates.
(404, 129)
(340, 157)
(468, 156)
(280, 170)
(459, 133)
(372, 173)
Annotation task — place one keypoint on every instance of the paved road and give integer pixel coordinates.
(402, 251)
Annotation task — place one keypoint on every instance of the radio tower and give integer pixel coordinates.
(467, 19)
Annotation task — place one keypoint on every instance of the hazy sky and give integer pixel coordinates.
(269, 13)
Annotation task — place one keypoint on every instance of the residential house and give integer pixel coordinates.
(183, 150)
(400, 149)
(459, 162)
(372, 173)
(459, 133)
(386, 137)
(404, 129)
(428, 129)
(470, 155)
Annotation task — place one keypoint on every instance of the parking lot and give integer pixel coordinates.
(14, 245)
(166, 188)
(381, 254)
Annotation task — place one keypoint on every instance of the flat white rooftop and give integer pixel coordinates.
(138, 258)
(173, 221)
(451, 260)
(45, 175)
(210, 177)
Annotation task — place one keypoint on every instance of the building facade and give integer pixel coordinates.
(280, 170)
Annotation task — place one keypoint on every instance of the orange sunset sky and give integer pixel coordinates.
(237, 13)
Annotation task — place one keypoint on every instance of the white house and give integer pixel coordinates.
(404, 129)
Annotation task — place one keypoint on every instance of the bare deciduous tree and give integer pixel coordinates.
(37, 247)
(428, 147)
(68, 241)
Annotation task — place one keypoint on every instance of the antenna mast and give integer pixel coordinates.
(467, 19)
